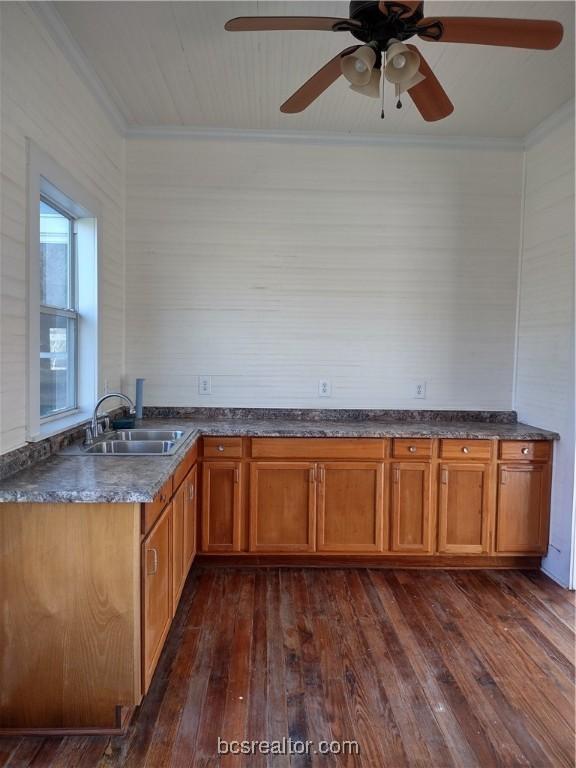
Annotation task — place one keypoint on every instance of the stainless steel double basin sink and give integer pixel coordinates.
(140, 442)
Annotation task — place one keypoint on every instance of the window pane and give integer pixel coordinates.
(55, 254)
(57, 374)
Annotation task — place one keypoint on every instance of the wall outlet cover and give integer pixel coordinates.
(204, 385)
(419, 390)
(324, 388)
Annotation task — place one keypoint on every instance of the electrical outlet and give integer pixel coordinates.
(419, 390)
(205, 385)
(324, 388)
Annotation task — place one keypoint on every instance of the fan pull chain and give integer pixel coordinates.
(398, 103)
(383, 83)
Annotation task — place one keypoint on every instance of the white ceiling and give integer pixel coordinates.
(173, 64)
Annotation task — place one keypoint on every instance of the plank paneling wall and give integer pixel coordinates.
(42, 98)
(270, 265)
(545, 385)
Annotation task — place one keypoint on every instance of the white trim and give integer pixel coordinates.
(564, 113)
(75, 56)
(519, 288)
(313, 137)
(42, 173)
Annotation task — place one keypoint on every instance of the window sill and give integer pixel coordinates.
(56, 426)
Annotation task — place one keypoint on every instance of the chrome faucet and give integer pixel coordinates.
(94, 429)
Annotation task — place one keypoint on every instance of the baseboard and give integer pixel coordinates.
(246, 559)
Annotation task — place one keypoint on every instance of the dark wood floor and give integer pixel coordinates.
(421, 668)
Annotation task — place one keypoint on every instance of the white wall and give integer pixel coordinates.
(545, 387)
(43, 99)
(271, 265)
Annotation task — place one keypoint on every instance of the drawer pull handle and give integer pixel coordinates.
(503, 478)
(465, 449)
(191, 492)
(525, 451)
(154, 570)
(221, 448)
(236, 475)
(412, 449)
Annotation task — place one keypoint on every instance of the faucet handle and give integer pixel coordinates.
(88, 436)
(106, 422)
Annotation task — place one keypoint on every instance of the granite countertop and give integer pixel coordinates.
(70, 477)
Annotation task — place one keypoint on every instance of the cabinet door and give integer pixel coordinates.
(523, 508)
(463, 513)
(411, 507)
(221, 507)
(156, 592)
(351, 507)
(283, 507)
(178, 566)
(190, 520)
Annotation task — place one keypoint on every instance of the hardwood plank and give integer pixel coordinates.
(531, 720)
(423, 668)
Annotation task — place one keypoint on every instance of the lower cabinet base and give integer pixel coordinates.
(122, 718)
(305, 560)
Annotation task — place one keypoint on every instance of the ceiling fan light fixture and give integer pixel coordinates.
(372, 88)
(402, 64)
(357, 66)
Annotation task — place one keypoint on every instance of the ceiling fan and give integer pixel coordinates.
(382, 27)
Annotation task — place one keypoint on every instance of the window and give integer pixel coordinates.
(58, 311)
(63, 229)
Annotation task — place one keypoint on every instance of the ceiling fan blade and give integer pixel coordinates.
(402, 7)
(317, 84)
(516, 33)
(272, 23)
(430, 98)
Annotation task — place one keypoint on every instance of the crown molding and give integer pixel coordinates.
(313, 137)
(555, 120)
(54, 24)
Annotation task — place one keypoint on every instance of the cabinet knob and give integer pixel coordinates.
(162, 497)
(465, 449)
(525, 451)
(221, 448)
(412, 449)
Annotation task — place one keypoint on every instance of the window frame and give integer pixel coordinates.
(70, 313)
(48, 179)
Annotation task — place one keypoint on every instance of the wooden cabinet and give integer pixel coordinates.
(156, 592)
(221, 506)
(179, 570)
(411, 507)
(190, 519)
(523, 508)
(464, 508)
(351, 507)
(283, 506)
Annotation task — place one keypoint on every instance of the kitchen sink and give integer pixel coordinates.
(146, 434)
(132, 447)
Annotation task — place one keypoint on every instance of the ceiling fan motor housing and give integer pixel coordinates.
(399, 23)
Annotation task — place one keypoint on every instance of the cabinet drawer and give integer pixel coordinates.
(522, 450)
(466, 449)
(318, 448)
(223, 447)
(410, 448)
(185, 465)
(152, 509)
